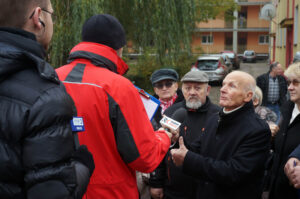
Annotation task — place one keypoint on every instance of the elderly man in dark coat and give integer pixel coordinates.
(229, 157)
(168, 180)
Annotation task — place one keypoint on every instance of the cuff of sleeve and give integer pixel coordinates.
(295, 154)
(160, 133)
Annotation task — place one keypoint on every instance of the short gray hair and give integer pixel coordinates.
(293, 69)
(258, 95)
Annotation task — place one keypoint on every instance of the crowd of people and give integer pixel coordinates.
(82, 131)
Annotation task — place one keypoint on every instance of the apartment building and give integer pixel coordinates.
(285, 38)
(246, 32)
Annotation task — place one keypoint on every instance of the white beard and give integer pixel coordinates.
(193, 105)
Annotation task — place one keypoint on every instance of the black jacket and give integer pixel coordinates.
(176, 184)
(230, 157)
(157, 116)
(262, 82)
(36, 140)
(286, 140)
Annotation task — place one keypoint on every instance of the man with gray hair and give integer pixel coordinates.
(274, 88)
(228, 158)
(198, 107)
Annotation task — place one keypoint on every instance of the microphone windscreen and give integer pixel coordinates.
(179, 115)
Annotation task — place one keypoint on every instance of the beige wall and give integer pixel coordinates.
(252, 43)
(253, 20)
(282, 13)
(216, 23)
(216, 47)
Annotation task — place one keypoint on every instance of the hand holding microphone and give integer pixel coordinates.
(171, 125)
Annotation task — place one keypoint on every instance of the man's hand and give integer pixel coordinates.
(274, 129)
(157, 193)
(173, 135)
(178, 155)
(292, 171)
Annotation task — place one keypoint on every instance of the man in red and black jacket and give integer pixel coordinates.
(117, 129)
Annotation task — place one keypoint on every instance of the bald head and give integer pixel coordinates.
(245, 80)
(238, 88)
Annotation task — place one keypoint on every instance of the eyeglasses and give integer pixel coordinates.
(51, 13)
(161, 84)
(295, 82)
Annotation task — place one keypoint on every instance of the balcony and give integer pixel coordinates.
(252, 2)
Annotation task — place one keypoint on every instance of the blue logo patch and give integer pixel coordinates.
(77, 124)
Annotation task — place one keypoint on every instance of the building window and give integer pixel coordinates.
(207, 39)
(263, 39)
(284, 37)
(296, 21)
(279, 37)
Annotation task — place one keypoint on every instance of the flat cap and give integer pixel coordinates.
(195, 76)
(162, 74)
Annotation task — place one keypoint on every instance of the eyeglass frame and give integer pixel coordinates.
(53, 16)
(161, 85)
(295, 82)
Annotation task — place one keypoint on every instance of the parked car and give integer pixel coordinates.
(249, 56)
(233, 58)
(215, 66)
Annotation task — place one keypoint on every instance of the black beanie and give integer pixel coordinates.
(104, 29)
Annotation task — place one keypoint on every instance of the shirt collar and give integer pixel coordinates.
(295, 113)
(227, 112)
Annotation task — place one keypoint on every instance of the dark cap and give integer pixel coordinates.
(195, 76)
(104, 29)
(163, 74)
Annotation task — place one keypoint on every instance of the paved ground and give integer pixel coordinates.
(254, 69)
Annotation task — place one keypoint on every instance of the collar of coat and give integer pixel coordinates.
(231, 117)
(20, 50)
(99, 55)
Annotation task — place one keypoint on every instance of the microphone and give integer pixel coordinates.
(175, 120)
(179, 115)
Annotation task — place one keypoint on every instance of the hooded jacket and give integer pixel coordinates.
(36, 140)
(117, 129)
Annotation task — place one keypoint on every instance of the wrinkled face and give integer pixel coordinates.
(294, 88)
(233, 93)
(195, 94)
(165, 89)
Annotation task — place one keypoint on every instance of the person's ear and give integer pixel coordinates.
(208, 90)
(37, 21)
(43, 24)
(249, 96)
(176, 85)
(155, 90)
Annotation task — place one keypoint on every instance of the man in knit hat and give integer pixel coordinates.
(117, 129)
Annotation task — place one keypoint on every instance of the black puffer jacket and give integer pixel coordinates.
(36, 140)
